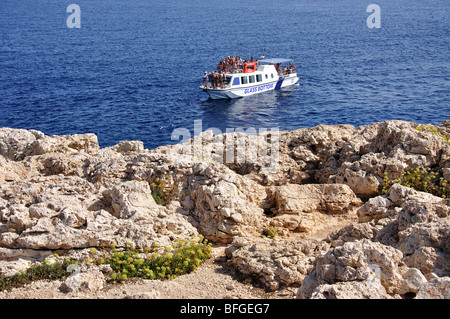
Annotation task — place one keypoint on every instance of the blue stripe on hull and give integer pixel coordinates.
(279, 83)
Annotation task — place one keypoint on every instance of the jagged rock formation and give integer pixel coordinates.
(64, 193)
(274, 262)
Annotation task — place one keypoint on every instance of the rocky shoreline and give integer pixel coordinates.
(336, 236)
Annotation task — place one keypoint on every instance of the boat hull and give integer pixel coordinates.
(239, 92)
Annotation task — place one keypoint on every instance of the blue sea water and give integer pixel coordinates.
(132, 71)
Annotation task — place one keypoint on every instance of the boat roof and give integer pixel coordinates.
(275, 60)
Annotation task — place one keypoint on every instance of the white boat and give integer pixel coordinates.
(253, 78)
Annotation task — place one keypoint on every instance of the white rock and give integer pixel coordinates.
(91, 280)
(438, 288)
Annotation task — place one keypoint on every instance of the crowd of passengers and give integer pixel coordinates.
(234, 64)
(286, 69)
(218, 78)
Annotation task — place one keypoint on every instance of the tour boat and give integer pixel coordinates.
(253, 78)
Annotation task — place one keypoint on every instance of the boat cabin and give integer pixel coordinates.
(263, 71)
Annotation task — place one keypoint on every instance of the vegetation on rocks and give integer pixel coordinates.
(420, 180)
(433, 131)
(162, 192)
(39, 271)
(270, 232)
(157, 262)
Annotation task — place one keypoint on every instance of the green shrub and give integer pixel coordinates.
(157, 263)
(421, 180)
(162, 192)
(183, 257)
(270, 232)
(42, 271)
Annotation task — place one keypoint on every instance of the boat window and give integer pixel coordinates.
(267, 76)
(235, 81)
(251, 79)
(272, 75)
(243, 79)
(258, 77)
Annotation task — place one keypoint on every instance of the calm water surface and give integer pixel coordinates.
(132, 71)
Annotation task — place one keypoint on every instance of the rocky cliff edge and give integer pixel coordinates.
(336, 235)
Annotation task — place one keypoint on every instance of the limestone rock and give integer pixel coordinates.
(431, 234)
(367, 289)
(418, 219)
(65, 193)
(15, 260)
(361, 261)
(430, 261)
(91, 279)
(326, 198)
(352, 232)
(219, 202)
(58, 212)
(65, 144)
(226, 205)
(126, 147)
(415, 223)
(132, 198)
(11, 170)
(437, 288)
(274, 263)
(106, 167)
(391, 147)
(58, 163)
(299, 207)
(314, 150)
(16, 143)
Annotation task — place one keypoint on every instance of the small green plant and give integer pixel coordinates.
(270, 232)
(41, 271)
(421, 180)
(162, 192)
(184, 256)
(385, 185)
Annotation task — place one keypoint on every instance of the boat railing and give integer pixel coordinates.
(288, 71)
(209, 85)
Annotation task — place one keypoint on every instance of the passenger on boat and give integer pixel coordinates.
(218, 79)
(293, 68)
(216, 82)
(212, 78)
(222, 78)
(240, 62)
(205, 79)
(232, 64)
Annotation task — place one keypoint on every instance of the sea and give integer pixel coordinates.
(131, 70)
